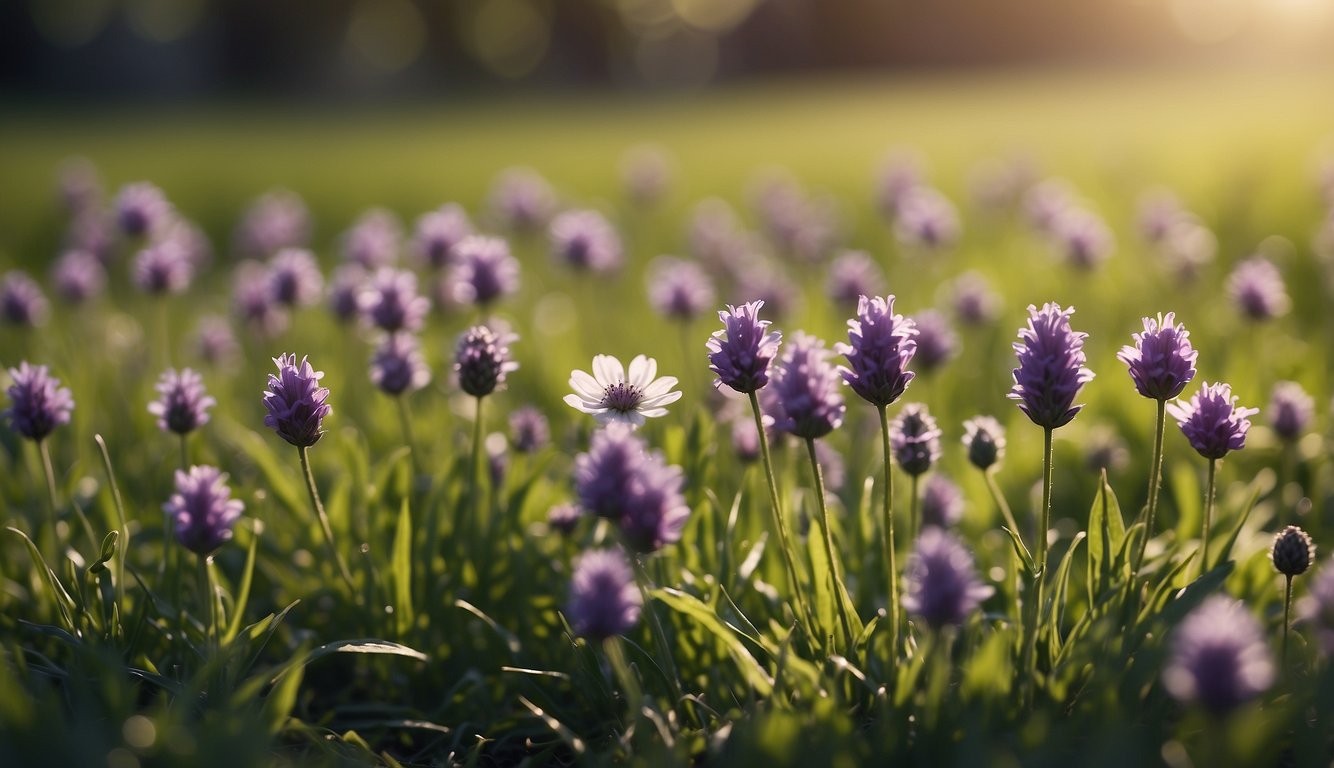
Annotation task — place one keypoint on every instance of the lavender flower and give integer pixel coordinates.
(1084, 240)
(521, 200)
(1317, 608)
(940, 585)
(78, 276)
(193, 243)
(182, 404)
(807, 389)
(1045, 202)
(91, 231)
(1292, 552)
(851, 275)
(163, 268)
(713, 231)
(763, 280)
(985, 439)
(1290, 410)
(398, 366)
(483, 271)
(942, 503)
(1051, 367)
(438, 232)
(203, 509)
(915, 439)
(296, 403)
(679, 289)
(611, 394)
(482, 360)
(497, 458)
(881, 344)
(529, 430)
(746, 441)
(604, 601)
(1188, 247)
(564, 518)
(832, 468)
(604, 476)
(389, 301)
(927, 219)
(276, 220)
(586, 241)
(646, 174)
(253, 301)
(141, 209)
(21, 300)
(214, 342)
(1159, 212)
(1162, 361)
(346, 285)
(294, 278)
(974, 301)
(740, 353)
(937, 343)
(1212, 421)
(1256, 287)
(38, 404)
(373, 241)
(655, 513)
(1219, 657)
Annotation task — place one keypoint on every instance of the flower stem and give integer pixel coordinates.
(1208, 516)
(829, 547)
(913, 523)
(1039, 580)
(1287, 620)
(405, 422)
(803, 608)
(207, 595)
(1046, 500)
(999, 497)
(1155, 480)
(324, 518)
(634, 697)
(888, 530)
(50, 474)
(475, 470)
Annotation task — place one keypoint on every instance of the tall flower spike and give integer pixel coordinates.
(1219, 657)
(398, 366)
(1051, 367)
(679, 289)
(741, 352)
(162, 268)
(38, 404)
(881, 344)
(1212, 421)
(985, 439)
(937, 343)
(389, 301)
(1256, 287)
(482, 360)
(1162, 361)
(203, 509)
(807, 388)
(1290, 410)
(484, 271)
(296, 402)
(586, 241)
(1292, 552)
(604, 601)
(915, 439)
(182, 404)
(294, 278)
(21, 300)
(611, 394)
(941, 585)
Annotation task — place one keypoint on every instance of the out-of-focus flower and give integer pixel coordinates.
(389, 301)
(914, 439)
(564, 518)
(214, 341)
(295, 279)
(1317, 608)
(346, 285)
(253, 301)
(851, 275)
(1045, 202)
(807, 389)
(586, 242)
(1212, 421)
(1105, 450)
(398, 366)
(203, 509)
(373, 241)
(1082, 237)
(937, 343)
(78, 185)
(296, 403)
(975, 303)
(745, 440)
(483, 271)
(1256, 287)
(1051, 367)
(941, 585)
(942, 502)
(1290, 410)
(21, 300)
(437, 233)
(276, 220)
(679, 289)
(521, 200)
(141, 209)
(927, 219)
(529, 430)
(604, 601)
(78, 276)
(611, 394)
(646, 174)
(899, 174)
(163, 268)
(37, 402)
(182, 404)
(1219, 658)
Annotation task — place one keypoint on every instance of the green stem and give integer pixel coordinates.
(999, 497)
(803, 608)
(120, 518)
(405, 422)
(475, 473)
(324, 518)
(50, 474)
(634, 697)
(659, 634)
(1046, 500)
(207, 594)
(1287, 618)
(1208, 516)
(829, 547)
(913, 523)
(185, 452)
(1035, 608)
(888, 531)
(1155, 480)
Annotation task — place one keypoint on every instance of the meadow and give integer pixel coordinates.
(432, 622)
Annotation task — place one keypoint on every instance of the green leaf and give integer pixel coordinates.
(108, 551)
(746, 664)
(243, 594)
(280, 701)
(1055, 610)
(64, 603)
(1107, 529)
(402, 571)
(1226, 550)
(1022, 552)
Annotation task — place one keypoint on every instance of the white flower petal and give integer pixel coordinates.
(654, 413)
(642, 371)
(659, 387)
(576, 403)
(608, 370)
(585, 385)
(660, 400)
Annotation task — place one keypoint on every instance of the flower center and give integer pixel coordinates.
(621, 396)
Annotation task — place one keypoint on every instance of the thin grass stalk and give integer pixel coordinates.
(829, 545)
(1208, 515)
(405, 423)
(1155, 480)
(44, 449)
(888, 531)
(323, 518)
(659, 634)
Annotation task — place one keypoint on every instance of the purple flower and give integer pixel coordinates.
(438, 232)
(203, 509)
(276, 220)
(714, 232)
(397, 366)
(373, 241)
(926, 219)
(807, 389)
(937, 343)
(78, 276)
(851, 275)
(344, 288)
(914, 439)
(646, 174)
(1256, 287)
(974, 301)
(604, 601)
(497, 458)
(1219, 657)
(900, 174)
(1212, 421)
(620, 480)
(942, 502)
(91, 231)
(194, 244)
(482, 360)
(564, 518)
(1290, 410)
(294, 278)
(529, 430)
(521, 200)
(1317, 608)
(985, 439)
(163, 268)
(761, 279)
(655, 513)
(38, 404)
(1082, 237)
(214, 342)
(1292, 552)
(483, 270)
(679, 289)
(941, 586)
(1159, 212)
(1045, 202)
(881, 344)
(832, 469)
(1188, 247)
(1162, 361)
(182, 405)
(253, 301)
(740, 353)
(586, 241)
(1051, 367)
(605, 475)
(296, 402)
(389, 301)
(141, 209)
(21, 300)
(745, 440)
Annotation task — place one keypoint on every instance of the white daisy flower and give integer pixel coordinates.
(612, 396)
